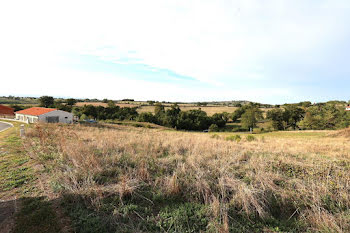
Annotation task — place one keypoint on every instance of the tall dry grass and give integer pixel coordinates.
(302, 179)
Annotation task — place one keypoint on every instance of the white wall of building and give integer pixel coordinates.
(26, 118)
(63, 117)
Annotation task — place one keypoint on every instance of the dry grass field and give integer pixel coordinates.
(210, 110)
(122, 105)
(124, 179)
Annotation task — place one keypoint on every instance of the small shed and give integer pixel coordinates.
(6, 112)
(48, 115)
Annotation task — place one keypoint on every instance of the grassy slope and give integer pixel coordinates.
(18, 186)
(126, 179)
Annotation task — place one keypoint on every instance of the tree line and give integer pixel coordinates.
(172, 117)
(303, 115)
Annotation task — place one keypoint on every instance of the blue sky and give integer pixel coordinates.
(270, 51)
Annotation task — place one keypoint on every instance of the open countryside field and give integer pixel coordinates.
(115, 178)
(144, 107)
(210, 110)
(122, 105)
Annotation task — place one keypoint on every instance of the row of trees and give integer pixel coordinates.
(188, 120)
(172, 117)
(304, 115)
(321, 116)
(111, 112)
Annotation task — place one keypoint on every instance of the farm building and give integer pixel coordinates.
(347, 108)
(6, 112)
(49, 115)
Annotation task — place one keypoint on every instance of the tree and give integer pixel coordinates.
(105, 101)
(237, 114)
(170, 116)
(276, 116)
(83, 117)
(111, 104)
(202, 104)
(305, 104)
(219, 119)
(46, 101)
(250, 117)
(151, 102)
(292, 115)
(225, 116)
(90, 111)
(71, 101)
(193, 120)
(309, 121)
(76, 111)
(16, 107)
(213, 128)
(146, 117)
(159, 109)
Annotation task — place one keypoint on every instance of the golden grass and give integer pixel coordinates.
(80, 104)
(209, 110)
(302, 178)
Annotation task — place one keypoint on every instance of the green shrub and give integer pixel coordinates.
(213, 128)
(239, 129)
(235, 138)
(250, 138)
(259, 130)
(215, 136)
(83, 117)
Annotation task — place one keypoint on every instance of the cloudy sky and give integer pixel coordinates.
(270, 51)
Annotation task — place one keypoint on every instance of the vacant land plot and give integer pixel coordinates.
(115, 178)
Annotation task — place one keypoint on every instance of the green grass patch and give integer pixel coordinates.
(36, 215)
(235, 138)
(16, 174)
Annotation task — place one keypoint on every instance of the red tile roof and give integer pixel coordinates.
(36, 111)
(4, 110)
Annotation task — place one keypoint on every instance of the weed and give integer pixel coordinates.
(250, 138)
(235, 138)
(187, 217)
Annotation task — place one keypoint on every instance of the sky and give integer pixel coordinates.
(267, 51)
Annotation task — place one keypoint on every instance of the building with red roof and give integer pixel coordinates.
(6, 112)
(49, 115)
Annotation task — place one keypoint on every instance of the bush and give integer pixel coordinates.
(239, 129)
(235, 138)
(83, 117)
(215, 136)
(213, 128)
(250, 138)
(259, 130)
